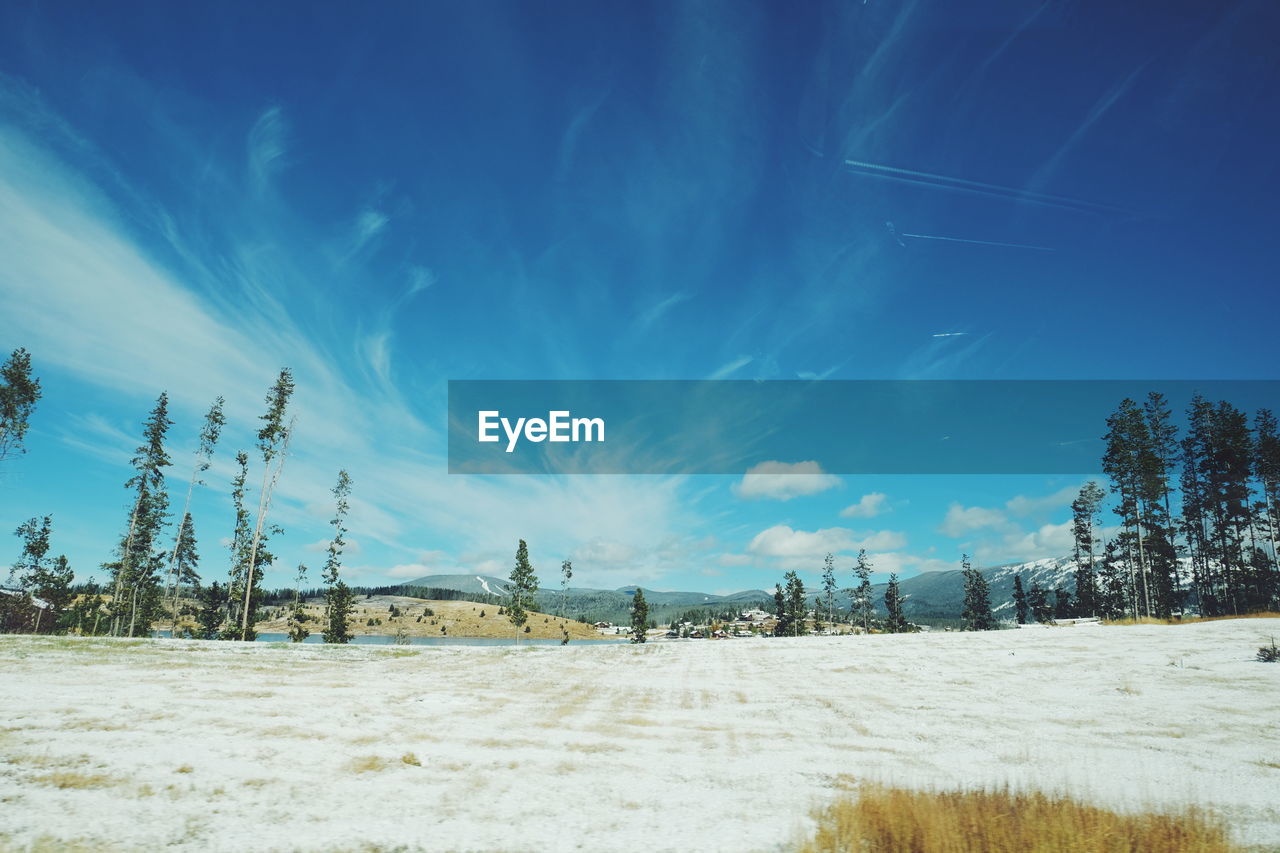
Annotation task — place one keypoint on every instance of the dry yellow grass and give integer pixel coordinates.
(458, 618)
(75, 779)
(1188, 620)
(368, 764)
(891, 820)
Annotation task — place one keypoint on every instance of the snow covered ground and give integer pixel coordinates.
(677, 746)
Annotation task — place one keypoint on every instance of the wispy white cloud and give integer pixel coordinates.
(655, 312)
(266, 148)
(420, 278)
(83, 290)
(727, 369)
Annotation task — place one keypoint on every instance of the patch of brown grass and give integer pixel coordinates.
(887, 820)
(410, 758)
(367, 764)
(1188, 620)
(75, 779)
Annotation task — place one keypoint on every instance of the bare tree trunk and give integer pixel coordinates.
(133, 610)
(173, 555)
(264, 505)
(124, 565)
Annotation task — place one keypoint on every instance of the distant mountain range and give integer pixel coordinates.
(931, 595)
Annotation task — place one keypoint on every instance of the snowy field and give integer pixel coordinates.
(189, 745)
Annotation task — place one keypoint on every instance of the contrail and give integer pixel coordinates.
(980, 242)
(898, 235)
(949, 334)
(912, 176)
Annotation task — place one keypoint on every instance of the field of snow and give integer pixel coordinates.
(189, 745)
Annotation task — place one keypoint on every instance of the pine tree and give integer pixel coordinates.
(209, 434)
(1266, 469)
(18, 395)
(15, 612)
(1041, 610)
(977, 599)
(136, 596)
(829, 589)
(895, 620)
(1062, 607)
(239, 546)
(1195, 447)
(273, 444)
(1158, 465)
(863, 603)
(795, 604)
(522, 589)
(1019, 600)
(338, 596)
(566, 572)
(1084, 512)
(212, 613)
(53, 583)
(34, 534)
(639, 617)
(298, 630)
(783, 626)
(1112, 577)
(185, 561)
(1128, 444)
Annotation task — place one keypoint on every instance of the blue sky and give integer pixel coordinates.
(389, 197)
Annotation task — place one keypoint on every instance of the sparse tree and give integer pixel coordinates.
(136, 583)
(273, 443)
(34, 534)
(895, 620)
(209, 434)
(863, 603)
(566, 572)
(1084, 514)
(339, 599)
(19, 392)
(829, 588)
(298, 630)
(522, 589)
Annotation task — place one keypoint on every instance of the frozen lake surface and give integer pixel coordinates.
(198, 745)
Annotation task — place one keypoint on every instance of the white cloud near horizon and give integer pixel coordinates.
(783, 541)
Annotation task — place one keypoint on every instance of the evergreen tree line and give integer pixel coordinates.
(792, 614)
(157, 562)
(1198, 511)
